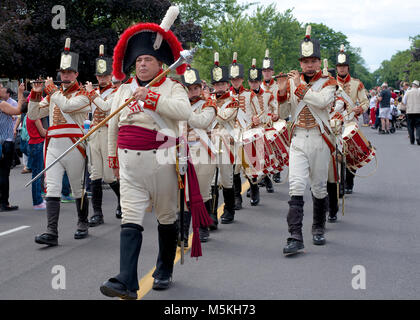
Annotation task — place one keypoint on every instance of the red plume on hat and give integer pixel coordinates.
(148, 39)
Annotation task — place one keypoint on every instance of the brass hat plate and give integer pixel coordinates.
(307, 48)
(234, 71)
(253, 74)
(101, 66)
(341, 58)
(266, 63)
(190, 77)
(65, 62)
(217, 74)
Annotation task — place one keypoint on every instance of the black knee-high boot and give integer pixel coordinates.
(237, 187)
(53, 211)
(229, 209)
(126, 284)
(318, 226)
(96, 189)
(82, 214)
(168, 234)
(294, 221)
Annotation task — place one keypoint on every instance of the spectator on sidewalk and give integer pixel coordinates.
(37, 135)
(372, 107)
(384, 99)
(8, 148)
(411, 104)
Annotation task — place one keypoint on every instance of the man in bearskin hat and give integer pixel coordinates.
(224, 138)
(308, 98)
(142, 146)
(98, 141)
(67, 108)
(248, 112)
(201, 148)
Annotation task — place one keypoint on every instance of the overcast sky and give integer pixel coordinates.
(380, 28)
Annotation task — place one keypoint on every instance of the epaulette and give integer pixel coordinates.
(330, 82)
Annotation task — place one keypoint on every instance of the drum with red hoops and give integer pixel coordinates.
(278, 138)
(359, 150)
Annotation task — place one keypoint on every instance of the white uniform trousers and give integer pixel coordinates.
(142, 180)
(98, 146)
(309, 158)
(73, 163)
(203, 168)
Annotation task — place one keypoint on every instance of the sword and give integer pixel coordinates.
(186, 56)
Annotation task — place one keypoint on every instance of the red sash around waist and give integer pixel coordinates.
(139, 138)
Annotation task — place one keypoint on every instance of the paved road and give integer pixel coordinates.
(379, 231)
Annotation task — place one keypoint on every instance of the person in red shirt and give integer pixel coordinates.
(36, 158)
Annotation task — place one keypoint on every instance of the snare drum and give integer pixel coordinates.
(359, 150)
(254, 155)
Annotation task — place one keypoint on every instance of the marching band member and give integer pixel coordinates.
(224, 135)
(270, 85)
(353, 91)
(248, 112)
(201, 149)
(67, 108)
(142, 146)
(98, 141)
(308, 98)
(269, 105)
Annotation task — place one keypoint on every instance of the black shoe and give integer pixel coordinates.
(387, 132)
(248, 193)
(318, 239)
(227, 217)
(47, 239)
(204, 234)
(268, 184)
(381, 132)
(332, 219)
(81, 234)
(293, 246)
(159, 284)
(213, 226)
(238, 203)
(9, 208)
(114, 288)
(255, 195)
(96, 220)
(118, 213)
(418, 142)
(276, 177)
(348, 191)
(229, 209)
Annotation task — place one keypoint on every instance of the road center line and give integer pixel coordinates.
(13, 230)
(146, 283)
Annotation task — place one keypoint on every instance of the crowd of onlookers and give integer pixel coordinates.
(391, 109)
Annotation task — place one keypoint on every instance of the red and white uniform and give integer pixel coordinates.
(202, 150)
(224, 135)
(67, 110)
(148, 176)
(309, 105)
(98, 141)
